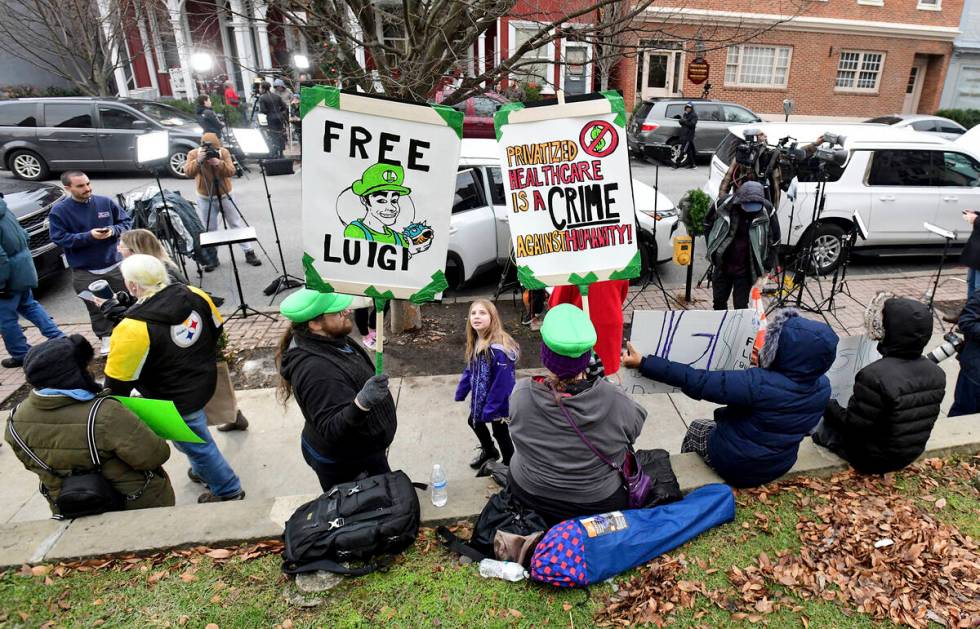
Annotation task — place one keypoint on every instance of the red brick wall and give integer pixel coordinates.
(896, 11)
(812, 73)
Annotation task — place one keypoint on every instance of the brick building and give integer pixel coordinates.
(856, 58)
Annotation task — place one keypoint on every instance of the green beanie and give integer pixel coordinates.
(567, 331)
(305, 304)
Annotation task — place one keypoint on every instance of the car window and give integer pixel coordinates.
(734, 113)
(164, 114)
(959, 170)
(18, 115)
(483, 106)
(948, 128)
(885, 120)
(642, 110)
(115, 118)
(674, 111)
(901, 168)
(497, 186)
(924, 125)
(726, 149)
(68, 115)
(708, 112)
(468, 194)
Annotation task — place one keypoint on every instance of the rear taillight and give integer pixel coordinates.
(649, 126)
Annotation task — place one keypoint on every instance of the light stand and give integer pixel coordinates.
(838, 285)
(251, 142)
(949, 237)
(152, 148)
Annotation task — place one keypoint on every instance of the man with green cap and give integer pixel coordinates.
(380, 189)
(553, 470)
(349, 412)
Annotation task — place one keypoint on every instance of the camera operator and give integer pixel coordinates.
(966, 398)
(212, 168)
(753, 161)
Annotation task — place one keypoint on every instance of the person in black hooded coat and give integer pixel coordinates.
(896, 399)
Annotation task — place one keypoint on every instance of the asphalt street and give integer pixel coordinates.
(286, 194)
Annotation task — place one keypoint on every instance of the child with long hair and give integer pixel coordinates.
(491, 355)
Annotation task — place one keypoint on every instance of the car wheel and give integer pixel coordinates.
(176, 163)
(454, 272)
(828, 243)
(28, 165)
(673, 150)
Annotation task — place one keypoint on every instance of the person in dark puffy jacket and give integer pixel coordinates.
(966, 399)
(756, 437)
(896, 399)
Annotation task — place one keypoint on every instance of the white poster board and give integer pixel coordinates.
(569, 193)
(703, 339)
(379, 178)
(853, 354)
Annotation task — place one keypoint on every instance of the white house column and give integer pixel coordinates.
(122, 84)
(243, 42)
(182, 40)
(262, 33)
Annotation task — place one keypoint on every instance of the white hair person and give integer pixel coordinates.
(144, 275)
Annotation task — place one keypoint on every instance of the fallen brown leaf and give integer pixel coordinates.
(219, 553)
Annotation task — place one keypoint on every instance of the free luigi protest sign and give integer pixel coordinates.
(569, 192)
(379, 178)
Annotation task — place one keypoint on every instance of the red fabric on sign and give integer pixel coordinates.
(606, 312)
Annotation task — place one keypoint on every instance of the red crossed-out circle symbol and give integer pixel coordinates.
(598, 138)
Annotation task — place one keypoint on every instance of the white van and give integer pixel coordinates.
(895, 178)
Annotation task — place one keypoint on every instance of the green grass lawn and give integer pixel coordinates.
(695, 585)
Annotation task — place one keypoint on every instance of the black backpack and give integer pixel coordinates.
(357, 521)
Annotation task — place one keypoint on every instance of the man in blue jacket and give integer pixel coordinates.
(17, 277)
(755, 438)
(87, 226)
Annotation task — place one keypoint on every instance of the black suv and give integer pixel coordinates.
(654, 130)
(43, 135)
(30, 202)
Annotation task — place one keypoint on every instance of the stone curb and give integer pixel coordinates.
(151, 530)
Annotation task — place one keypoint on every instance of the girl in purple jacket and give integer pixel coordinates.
(491, 354)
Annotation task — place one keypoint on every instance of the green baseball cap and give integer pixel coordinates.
(567, 331)
(305, 304)
(380, 178)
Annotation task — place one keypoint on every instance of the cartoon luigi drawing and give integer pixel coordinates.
(382, 191)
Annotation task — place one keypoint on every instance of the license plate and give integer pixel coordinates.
(64, 261)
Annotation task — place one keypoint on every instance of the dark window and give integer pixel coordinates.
(68, 115)
(711, 113)
(674, 111)
(958, 170)
(924, 125)
(460, 107)
(726, 149)
(18, 115)
(945, 127)
(901, 168)
(113, 118)
(641, 112)
(468, 195)
(497, 186)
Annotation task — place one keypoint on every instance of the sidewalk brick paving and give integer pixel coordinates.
(259, 332)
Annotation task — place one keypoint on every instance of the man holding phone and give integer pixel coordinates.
(87, 226)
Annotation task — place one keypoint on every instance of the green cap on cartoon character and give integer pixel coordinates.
(381, 178)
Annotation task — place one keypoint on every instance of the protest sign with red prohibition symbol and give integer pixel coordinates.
(569, 191)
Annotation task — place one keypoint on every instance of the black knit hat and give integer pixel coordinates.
(61, 363)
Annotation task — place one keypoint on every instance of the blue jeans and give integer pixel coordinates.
(23, 303)
(205, 458)
(972, 282)
(966, 398)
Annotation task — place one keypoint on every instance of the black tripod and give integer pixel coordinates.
(949, 237)
(285, 281)
(172, 241)
(838, 285)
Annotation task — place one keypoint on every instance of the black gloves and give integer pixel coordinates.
(374, 392)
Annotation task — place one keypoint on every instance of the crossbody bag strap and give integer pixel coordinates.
(93, 451)
(23, 446)
(581, 436)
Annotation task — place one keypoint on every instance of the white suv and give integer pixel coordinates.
(479, 236)
(896, 179)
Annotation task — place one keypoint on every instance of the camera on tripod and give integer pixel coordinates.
(210, 151)
(951, 345)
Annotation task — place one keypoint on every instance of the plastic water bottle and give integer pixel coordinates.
(439, 493)
(506, 570)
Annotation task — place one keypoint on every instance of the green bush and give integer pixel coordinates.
(232, 116)
(29, 91)
(693, 207)
(969, 118)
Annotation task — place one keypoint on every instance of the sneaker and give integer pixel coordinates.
(104, 350)
(371, 340)
(194, 477)
(210, 267)
(535, 323)
(11, 363)
(482, 456)
(240, 423)
(526, 318)
(209, 497)
(252, 259)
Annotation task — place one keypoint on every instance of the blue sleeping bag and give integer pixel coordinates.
(587, 550)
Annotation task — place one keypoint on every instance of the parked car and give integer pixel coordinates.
(894, 178)
(654, 129)
(943, 127)
(31, 203)
(39, 136)
(477, 111)
(479, 236)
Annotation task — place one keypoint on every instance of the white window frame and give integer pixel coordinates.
(924, 5)
(564, 58)
(857, 72)
(872, 3)
(741, 56)
(380, 32)
(545, 52)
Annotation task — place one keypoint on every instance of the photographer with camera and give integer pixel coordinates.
(756, 160)
(212, 168)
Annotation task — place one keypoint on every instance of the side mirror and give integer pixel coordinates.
(140, 125)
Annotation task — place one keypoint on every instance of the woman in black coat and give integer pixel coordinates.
(896, 399)
(206, 116)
